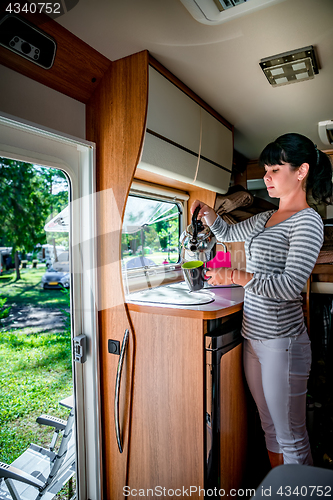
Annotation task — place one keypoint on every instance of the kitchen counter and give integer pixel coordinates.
(174, 384)
(217, 301)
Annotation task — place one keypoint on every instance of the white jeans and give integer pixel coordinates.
(277, 371)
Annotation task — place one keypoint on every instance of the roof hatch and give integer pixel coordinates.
(220, 11)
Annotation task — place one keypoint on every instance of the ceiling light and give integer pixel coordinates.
(220, 11)
(290, 67)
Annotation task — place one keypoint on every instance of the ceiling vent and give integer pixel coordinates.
(325, 131)
(220, 11)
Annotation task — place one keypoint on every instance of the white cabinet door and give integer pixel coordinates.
(217, 141)
(212, 177)
(171, 113)
(163, 158)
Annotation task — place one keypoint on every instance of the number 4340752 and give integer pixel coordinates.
(305, 491)
(33, 8)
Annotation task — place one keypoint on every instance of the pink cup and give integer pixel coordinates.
(221, 259)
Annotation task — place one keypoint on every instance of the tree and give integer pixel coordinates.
(25, 201)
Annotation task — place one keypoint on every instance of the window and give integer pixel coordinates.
(150, 250)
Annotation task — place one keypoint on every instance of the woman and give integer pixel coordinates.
(281, 248)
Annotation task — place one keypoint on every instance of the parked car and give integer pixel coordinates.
(55, 279)
(62, 264)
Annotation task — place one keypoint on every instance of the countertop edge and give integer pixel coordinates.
(185, 313)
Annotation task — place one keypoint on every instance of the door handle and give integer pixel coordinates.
(117, 389)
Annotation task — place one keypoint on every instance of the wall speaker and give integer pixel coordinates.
(23, 38)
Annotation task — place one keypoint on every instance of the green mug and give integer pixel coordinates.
(194, 274)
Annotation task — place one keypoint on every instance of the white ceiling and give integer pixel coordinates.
(221, 63)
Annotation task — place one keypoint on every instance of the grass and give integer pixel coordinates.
(35, 369)
(35, 374)
(27, 290)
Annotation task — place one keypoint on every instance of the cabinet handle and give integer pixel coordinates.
(117, 388)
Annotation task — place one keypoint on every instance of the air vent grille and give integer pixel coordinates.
(227, 4)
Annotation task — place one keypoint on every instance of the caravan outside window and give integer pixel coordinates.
(150, 250)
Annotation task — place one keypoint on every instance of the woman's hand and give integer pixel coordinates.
(219, 276)
(228, 276)
(205, 211)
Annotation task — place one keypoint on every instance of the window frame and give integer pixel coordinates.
(151, 276)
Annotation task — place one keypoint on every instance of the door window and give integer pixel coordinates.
(28, 143)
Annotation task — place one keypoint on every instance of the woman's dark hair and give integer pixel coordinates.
(297, 149)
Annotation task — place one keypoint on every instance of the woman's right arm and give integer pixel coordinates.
(205, 211)
(222, 230)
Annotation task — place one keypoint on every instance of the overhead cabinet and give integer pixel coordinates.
(217, 141)
(172, 114)
(183, 141)
(163, 158)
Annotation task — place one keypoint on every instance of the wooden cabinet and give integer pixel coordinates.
(233, 421)
(172, 114)
(166, 442)
(217, 141)
(212, 177)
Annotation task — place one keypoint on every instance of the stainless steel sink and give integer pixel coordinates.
(176, 294)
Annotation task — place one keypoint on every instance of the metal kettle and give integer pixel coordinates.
(197, 242)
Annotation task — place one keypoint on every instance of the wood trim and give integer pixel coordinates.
(159, 180)
(322, 273)
(307, 303)
(77, 70)
(165, 72)
(185, 313)
(116, 122)
(323, 269)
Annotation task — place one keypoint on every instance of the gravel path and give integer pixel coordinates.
(40, 319)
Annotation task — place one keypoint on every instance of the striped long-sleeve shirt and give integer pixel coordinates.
(281, 258)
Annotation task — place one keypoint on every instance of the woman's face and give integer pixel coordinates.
(281, 180)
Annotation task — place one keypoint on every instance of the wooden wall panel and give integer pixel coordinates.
(254, 171)
(116, 121)
(203, 195)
